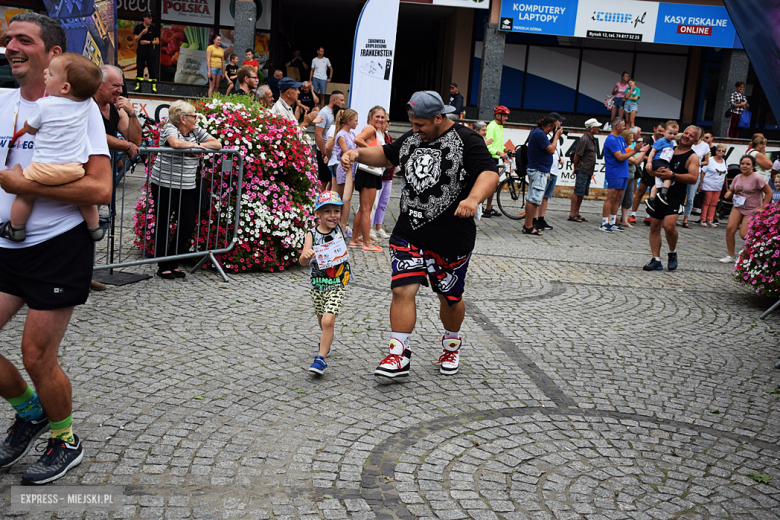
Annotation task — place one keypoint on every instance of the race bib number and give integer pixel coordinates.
(331, 254)
(666, 154)
(739, 201)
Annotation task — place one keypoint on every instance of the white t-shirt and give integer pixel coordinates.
(49, 218)
(62, 130)
(714, 175)
(556, 157)
(702, 150)
(320, 67)
(332, 135)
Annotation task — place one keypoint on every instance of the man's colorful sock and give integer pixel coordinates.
(27, 405)
(63, 429)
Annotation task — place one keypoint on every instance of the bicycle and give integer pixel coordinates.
(510, 193)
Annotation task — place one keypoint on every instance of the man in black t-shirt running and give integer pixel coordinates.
(146, 36)
(448, 171)
(683, 170)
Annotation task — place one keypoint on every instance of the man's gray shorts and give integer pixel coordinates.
(537, 183)
(581, 183)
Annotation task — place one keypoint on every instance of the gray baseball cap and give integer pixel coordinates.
(427, 103)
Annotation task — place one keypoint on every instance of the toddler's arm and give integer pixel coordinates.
(307, 253)
(29, 129)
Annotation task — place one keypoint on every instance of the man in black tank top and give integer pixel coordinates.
(119, 116)
(684, 170)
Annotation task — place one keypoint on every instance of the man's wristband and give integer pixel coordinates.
(672, 176)
(132, 115)
(129, 145)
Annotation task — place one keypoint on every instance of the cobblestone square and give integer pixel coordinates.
(588, 388)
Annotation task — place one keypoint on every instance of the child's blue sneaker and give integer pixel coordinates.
(319, 365)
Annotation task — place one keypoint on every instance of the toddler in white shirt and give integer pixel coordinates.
(59, 123)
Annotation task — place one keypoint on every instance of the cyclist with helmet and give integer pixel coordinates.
(495, 131)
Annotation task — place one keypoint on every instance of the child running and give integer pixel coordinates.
(325, 251)
(59, 123)
(662, 152)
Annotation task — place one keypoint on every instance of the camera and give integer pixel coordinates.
(565, 132)
(511, 154)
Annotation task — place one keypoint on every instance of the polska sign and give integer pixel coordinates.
(188, 11)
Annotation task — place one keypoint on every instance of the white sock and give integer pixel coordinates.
(657, 259)
(612, 219)
(647, 215)
(448, 334)
(604, 220)
(633, 213)
(403, 337)
(673, 251)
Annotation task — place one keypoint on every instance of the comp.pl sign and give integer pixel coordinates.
(628, 20)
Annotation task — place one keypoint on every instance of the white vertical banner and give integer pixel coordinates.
(371, 78)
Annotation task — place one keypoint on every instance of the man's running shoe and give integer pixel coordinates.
(728, 259)
(57, 459)
(617, 227)
(672, 265)
(21, 436)
(606, 228)
(397, 363)
(449, 360)
(319, 365)
(654, 265)
(632, 219)
(543, 225)
(647, 221)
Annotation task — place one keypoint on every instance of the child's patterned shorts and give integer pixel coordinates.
(330, 301)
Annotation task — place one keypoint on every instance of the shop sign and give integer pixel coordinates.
(134, 9)
(189, 11)
(627, 20)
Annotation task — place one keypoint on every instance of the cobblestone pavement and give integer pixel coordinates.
(588, 389)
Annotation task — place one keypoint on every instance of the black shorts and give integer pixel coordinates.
(366, 180)
(647, 179)
(54, 274)
(323, 172)
(675, 207)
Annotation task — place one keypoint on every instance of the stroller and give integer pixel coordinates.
(725, 206)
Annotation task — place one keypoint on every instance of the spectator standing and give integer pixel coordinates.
(58, 252)
(215, 55)
(384, 194)
(366, 183)
(702, 150)
(264, 96)
(247, 80)
(146, 36)
(616, 155)
(712, 177)
(448, 172)
(632, 138)
(540, 157)
(321, 132)
(307, 100)
(647, 181)
(683, 170)
(763, 163)
(173, 187)
(456, 101)
(709, 138)
(631, 103)
(321, 74)
(495, 133)
(289, 90)
(746, 190)
(619, 95)
(584, 163)
(540, 223)
(298, 63)
(738, 105)
(249, 59)
(273, 82)
(344, 140)
(231, 71)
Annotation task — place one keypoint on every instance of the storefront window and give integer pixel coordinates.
(183, 54)
(551, 80)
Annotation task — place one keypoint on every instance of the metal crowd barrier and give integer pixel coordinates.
(219, 177)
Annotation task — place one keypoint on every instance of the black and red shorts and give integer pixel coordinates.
(414, 265)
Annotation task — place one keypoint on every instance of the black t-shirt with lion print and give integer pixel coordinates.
(439, 175)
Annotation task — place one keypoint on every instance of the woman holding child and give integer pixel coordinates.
(173, 185)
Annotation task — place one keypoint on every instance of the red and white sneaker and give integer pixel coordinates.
(450, 356)
(397, 363)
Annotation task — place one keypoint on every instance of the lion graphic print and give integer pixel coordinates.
(438, 176)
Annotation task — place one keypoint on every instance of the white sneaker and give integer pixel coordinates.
(383, 234)
(728, 259)
(397, 362)
(372, 234)
(450, 356)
